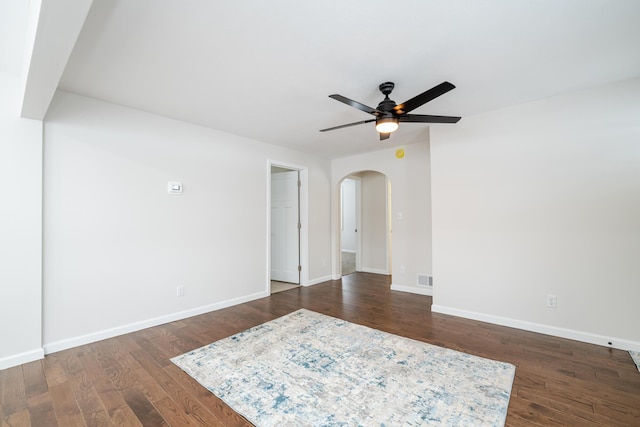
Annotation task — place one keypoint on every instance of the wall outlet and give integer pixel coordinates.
(180, 291)
(552, 301)
(403, 271)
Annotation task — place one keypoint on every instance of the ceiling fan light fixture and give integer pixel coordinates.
(387, 124)
(388, 114)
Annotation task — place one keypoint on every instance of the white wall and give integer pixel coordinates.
(374, 220)
(543, 198)
(411, 196)
(116, 245)
(20, 229)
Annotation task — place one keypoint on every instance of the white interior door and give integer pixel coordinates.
(285, 236)
(349, 226)
(350, 223)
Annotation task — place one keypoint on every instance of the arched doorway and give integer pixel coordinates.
(365, 223)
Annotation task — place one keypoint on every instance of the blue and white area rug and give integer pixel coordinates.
(635, 355)
(309, 369)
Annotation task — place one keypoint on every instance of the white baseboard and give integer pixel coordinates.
(374, 270)
(318, 280)
(413, 289)
(136, 326)
(19, 359)
(571, 334)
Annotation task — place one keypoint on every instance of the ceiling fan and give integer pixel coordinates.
(389, 114)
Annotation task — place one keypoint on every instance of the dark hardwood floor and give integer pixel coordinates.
(129, 380)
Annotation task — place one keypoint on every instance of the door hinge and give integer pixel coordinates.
(299, 226)
(299, 183)
(299, 268)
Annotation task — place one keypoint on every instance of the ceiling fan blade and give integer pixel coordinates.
(384, 136)
(356, 104)
(423, 98)
(348, 124)
(419, 118)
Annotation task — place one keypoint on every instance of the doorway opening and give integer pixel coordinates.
(365, 223)
(285, 224)
(349, 223)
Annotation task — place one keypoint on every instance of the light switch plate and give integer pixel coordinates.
(174, 187)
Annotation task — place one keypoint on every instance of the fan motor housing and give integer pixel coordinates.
(386, 105)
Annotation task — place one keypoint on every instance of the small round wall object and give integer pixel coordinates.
(400, 153)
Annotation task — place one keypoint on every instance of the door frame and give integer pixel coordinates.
(303, 201)
(388, 225)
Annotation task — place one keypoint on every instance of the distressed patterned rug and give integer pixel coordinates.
(309, 369)
(635, 355)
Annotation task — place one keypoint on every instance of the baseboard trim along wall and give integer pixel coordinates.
(21, 358)
(571, 334)
(318, 281)
(413, 289)
(137, 326)
(375, 270)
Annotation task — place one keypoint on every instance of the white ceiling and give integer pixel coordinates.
(264, 69)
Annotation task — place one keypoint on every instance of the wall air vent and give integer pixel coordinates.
(424, 280)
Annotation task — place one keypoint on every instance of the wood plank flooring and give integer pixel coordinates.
(129, 380)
